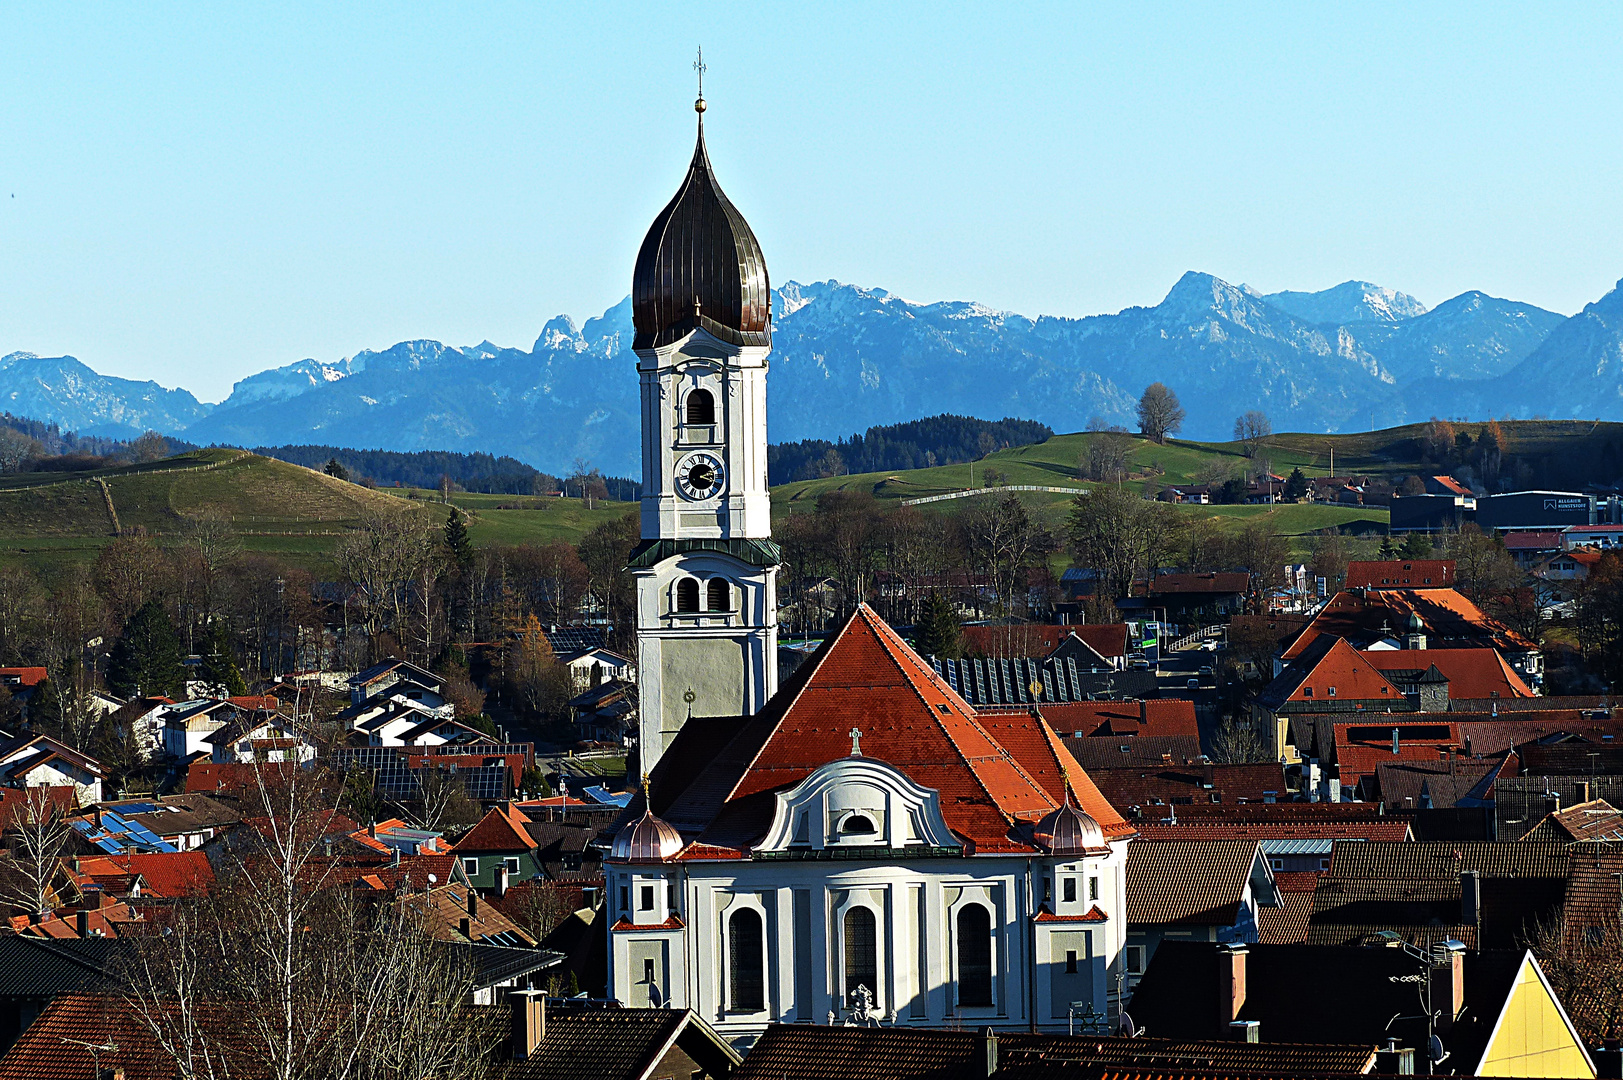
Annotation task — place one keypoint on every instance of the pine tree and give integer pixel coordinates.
(146, 657)
(1415, 546)
(1295, 485)
(456, 540)
(1388, 551)
(336, 470)
(219, 667)
(937, 633)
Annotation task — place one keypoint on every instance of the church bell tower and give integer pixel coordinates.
(706, 569)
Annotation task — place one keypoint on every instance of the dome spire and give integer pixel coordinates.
(699, 105)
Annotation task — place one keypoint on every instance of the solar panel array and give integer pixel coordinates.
(118, 834)
(394, 776)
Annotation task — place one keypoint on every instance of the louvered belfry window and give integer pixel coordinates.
(745, 976)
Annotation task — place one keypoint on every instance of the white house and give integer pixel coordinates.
(40, 761)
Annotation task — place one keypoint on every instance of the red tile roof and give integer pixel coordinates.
(1168, 584)
(26, 676)
(1448, 619)
(1343, 674)
(867, 677)
(1532, 541)
(1471, 673)
(1163, 716)
(1401, 574)
(501, 829)
(167, 874)
(1030, 639)
(1452, 486)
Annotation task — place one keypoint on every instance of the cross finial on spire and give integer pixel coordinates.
(698, 65)
(645, 792)
(856, 741)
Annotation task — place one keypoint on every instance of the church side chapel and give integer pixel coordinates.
(859, 845)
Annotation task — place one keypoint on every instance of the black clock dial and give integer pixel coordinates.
(702, 477)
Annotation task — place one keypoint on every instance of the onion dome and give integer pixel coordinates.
(700, 266)
(1070, 831)
(1415, 623)
(646, 840)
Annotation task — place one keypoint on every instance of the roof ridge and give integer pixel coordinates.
(883, 633)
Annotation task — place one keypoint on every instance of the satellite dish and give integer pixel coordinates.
(1128, 1028)
(1438, 1054)
(433, 879)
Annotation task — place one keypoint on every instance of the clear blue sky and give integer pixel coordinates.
(203, 192)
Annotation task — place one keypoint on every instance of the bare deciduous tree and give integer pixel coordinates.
(39, 833)
(1250, 429)
(1159, 413)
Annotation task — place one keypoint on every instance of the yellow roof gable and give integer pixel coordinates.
(1533, 1035)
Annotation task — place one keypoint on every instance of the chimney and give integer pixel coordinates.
(394, 856)
(1143, 711)
(991, 1051)
(1552, 802)
(1397, 743)
(501, 881)
(1470, 897)
(529, 1021)
(1230, 983)
(1246, 1031)
(1584, 791)
(372, 830)
(82, 923)
(466, 926)
(473, 903)
(1392, 1061)
(1448, 983)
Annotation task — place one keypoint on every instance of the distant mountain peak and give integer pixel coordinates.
(1349, 302)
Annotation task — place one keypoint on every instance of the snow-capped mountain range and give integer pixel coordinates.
(846, 357)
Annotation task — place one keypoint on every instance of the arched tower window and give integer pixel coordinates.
(687, 595)
(718, 596)
(861, 953)
(701, 407)
(746, 980)
(974, 956)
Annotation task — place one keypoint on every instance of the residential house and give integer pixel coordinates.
(23, 684)
(1328, 677)
(1574, 564)
(397, 678)
(1530, 547)
(32, 760)
(499, 850)
(1498, 1015)
(1401, 574)
(184, 821)
(1189, 600)
(1102, 645)
(1160, 791)
(606, 713)
(454, 911)
(593, 665)
(263, 736)
(1192, 890)
(1595, 819)
(36, 971)
(189, 727)
(1601, 537)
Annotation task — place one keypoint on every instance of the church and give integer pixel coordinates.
(858, 845)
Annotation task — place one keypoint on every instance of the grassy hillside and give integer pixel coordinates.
(298, 514)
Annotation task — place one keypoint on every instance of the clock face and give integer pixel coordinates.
(700, 476)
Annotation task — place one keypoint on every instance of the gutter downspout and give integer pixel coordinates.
(1031, 952)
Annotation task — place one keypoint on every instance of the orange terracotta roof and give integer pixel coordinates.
(1401, 574)
(1448, 618)
(501, 829)
(166, 875)
(26, 676)
(867, 677)
(1162, 716)
(1471, 673)
(1094, 914)
(1345, 674)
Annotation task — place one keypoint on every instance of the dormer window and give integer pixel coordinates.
(858, 825)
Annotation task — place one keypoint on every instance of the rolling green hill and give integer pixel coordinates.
(298, 514)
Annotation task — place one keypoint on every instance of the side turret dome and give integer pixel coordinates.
(1067, 830)
(646, 840)
(700, 266)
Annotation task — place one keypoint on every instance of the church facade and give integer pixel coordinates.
(859, 845)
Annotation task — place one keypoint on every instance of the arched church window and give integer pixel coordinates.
(974, 956)
(746, 981)
(701, 407)
(718, 597)
(861, 953)
(687, 595)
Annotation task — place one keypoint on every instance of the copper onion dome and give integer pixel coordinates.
(646, 840)
(1067, 830)
(700, 266)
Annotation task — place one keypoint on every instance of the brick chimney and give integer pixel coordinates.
(82, 923)
(1448, 984)
(473, 904)
(466, 926)
(529, 1022)
(501, 881)
(1230, 983)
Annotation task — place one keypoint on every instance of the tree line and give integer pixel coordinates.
(918, 444)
